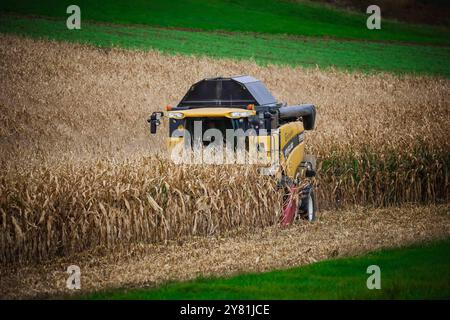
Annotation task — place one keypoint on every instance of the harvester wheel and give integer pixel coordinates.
(307, 209)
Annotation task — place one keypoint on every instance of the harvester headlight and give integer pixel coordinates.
(240, 114)
(176, 115)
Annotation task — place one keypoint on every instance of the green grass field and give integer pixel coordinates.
(418, 272)
(273, 31)
(264, 49)
(270, 16)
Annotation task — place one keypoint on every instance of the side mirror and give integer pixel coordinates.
(153, 126)
(154, 121)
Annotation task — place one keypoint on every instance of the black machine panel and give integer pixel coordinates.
(227, 92)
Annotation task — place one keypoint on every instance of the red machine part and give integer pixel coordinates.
(290, 206)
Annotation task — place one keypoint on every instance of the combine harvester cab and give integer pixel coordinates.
(243, 107)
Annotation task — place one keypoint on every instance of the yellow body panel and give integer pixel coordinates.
(285, 144)
(292, 147)
(294, 160)
(211, 112)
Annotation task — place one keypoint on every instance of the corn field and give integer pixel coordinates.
(80, 170)
(59, 211)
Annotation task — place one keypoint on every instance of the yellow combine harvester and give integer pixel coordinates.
(242, 115)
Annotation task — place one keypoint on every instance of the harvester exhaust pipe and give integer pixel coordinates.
(306, 111)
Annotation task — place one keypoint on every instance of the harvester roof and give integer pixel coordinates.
(224, 92)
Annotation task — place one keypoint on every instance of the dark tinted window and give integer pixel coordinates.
(221, 92)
